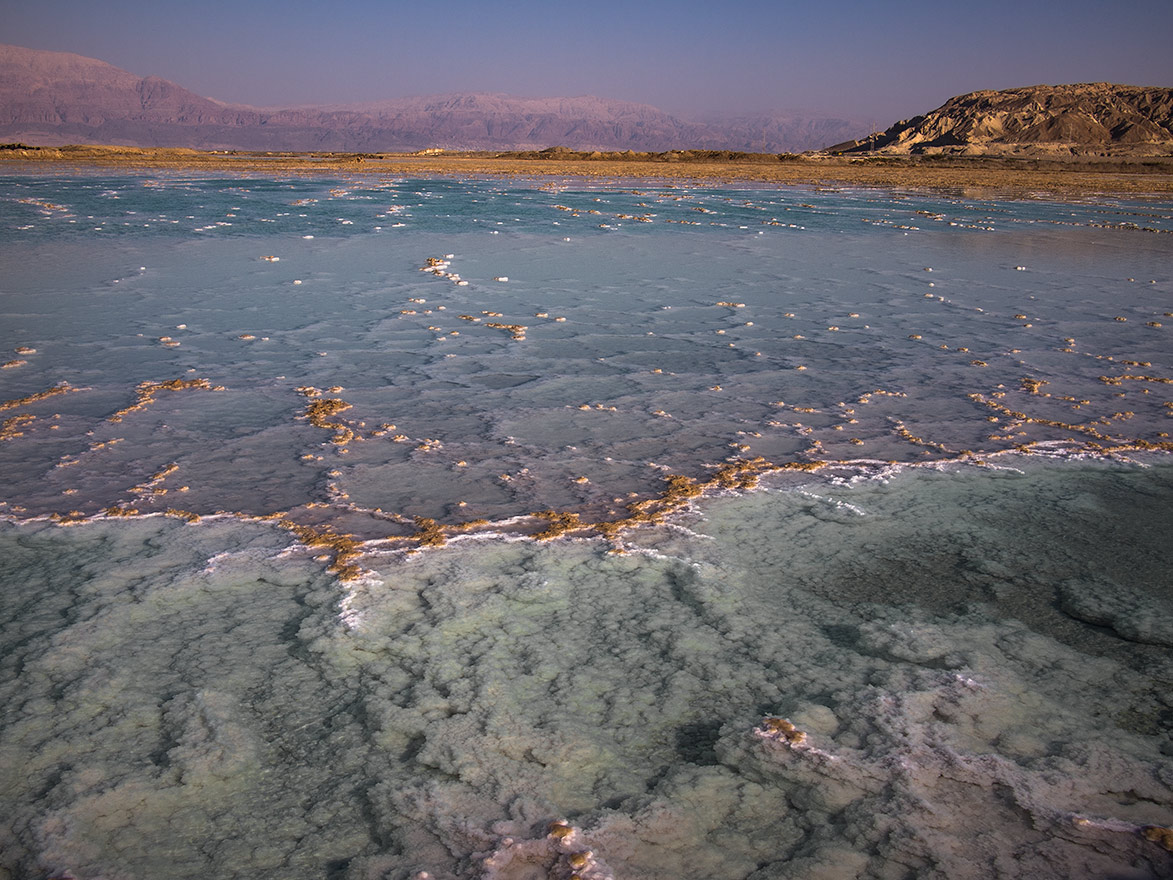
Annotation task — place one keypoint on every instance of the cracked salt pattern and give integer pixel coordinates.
(960, 603)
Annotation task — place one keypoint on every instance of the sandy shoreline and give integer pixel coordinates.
(1006, 177)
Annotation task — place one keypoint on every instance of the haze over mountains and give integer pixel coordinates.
(55, 98)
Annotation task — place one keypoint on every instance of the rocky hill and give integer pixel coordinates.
(1085, 119)
(55, 98)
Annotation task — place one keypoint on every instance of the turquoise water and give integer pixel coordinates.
(279, 598)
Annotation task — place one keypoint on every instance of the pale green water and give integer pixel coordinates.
(977, 652)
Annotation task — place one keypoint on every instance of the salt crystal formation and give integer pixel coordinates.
(718, 542)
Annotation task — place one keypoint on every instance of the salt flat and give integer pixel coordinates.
(373, 525)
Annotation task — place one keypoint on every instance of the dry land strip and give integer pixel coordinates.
(1004, 176)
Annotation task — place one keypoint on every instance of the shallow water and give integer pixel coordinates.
(921, 511)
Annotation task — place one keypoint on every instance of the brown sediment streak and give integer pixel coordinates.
(1159, 835)
(429, 533)
(344, 549)
(120, 511)
(148, 390)
(879, 392)
(1137, 445)
(1023, 418)
(561, 523)
(10, 429)
(152, 486)
(71, 460)
(71, 518)
(516, 331)
(639, 218)
(185, 515)
(905, 434)
(1119, 380)
(63, 388)
(320, 414)
(469, 525)
(1119, 444)
(43, 205)
(1035, 386)
(743, 474)
(782, 730)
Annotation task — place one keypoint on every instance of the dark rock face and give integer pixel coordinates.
(1087, 118)
(54, 98)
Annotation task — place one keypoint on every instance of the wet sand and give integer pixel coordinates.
(982, 175)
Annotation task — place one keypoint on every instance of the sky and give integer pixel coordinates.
(872, 62)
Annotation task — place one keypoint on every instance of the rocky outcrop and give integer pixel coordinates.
(1082, 119)
(54, 98)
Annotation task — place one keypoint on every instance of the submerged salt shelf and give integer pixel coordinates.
(488, 529)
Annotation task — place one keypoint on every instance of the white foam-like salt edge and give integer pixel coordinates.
(840, 505)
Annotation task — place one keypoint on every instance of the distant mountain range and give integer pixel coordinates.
(1083, 119)
(55, 98)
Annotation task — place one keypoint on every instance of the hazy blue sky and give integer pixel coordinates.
(870, 61)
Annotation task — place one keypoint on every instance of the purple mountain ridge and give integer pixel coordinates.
(56, 98)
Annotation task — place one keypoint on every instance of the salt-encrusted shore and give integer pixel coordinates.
(1026, 176)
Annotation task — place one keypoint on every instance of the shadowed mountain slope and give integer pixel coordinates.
(1081, 119)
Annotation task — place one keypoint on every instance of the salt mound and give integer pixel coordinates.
(1132, 614)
